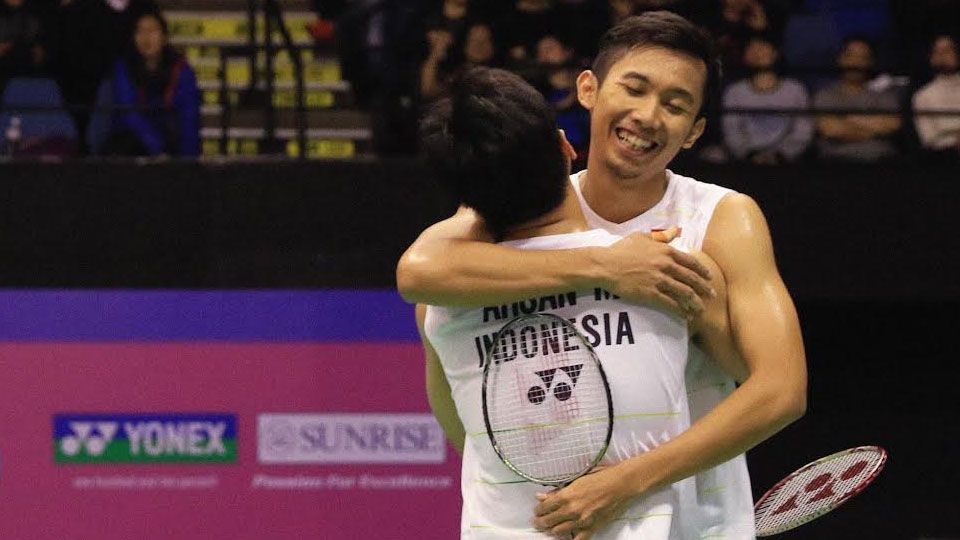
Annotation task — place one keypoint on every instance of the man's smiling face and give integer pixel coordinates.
(645, 110)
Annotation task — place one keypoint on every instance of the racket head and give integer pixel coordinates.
(546, 401)
(817, 488)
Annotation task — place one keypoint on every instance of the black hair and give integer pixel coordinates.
(493, 142)
(152, 82)
(156, 14)
(661, 29)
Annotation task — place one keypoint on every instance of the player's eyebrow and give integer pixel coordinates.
(676, 91)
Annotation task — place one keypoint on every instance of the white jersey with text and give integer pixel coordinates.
(644, 354)
(724, 496)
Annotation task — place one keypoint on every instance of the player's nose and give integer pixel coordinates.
(646, 113)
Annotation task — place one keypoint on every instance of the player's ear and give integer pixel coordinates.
(587, 88)
(695, 132)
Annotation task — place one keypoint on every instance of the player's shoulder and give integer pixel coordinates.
(737, 203)
(736, 214)
(738, 237)
(687, 185)
(464, 224)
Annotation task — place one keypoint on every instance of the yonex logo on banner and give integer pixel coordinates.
(145, 438)
(350, 438)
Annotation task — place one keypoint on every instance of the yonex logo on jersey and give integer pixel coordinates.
(145, 438)
(562, 391)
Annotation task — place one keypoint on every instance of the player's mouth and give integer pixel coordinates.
(634, 143)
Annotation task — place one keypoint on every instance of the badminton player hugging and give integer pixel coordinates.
(537, 391)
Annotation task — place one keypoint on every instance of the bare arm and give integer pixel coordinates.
(712, 331)
(430, 84)
(438, 390)
(767, 332)
(455, 263)
(765, 326)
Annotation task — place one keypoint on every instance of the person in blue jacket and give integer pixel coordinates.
(156, 95)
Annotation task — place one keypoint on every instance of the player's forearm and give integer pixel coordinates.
(467, 273)
(754, 412)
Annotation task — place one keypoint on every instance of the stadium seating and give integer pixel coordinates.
(335, 129)
(45, 129)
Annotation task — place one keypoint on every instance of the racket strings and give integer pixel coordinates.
(815, 491)
(547, 402)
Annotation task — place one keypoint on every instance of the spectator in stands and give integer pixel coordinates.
(453, 17)
(766, 138)
(526, 24)
(849, 135)
(444, 59)
(619, 10)
(437, 66)
(22, 52)
(737, 22)
(479, 48)
(940, 133)
(380, 48)
(584, 21)
(160, 89)
(89, 37)
(558, 65)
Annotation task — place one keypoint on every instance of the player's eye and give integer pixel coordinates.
(674, 108)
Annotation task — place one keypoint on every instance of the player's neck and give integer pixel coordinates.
(566, 218)
(618, 200)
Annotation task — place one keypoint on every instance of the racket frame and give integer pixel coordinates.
(488, 361)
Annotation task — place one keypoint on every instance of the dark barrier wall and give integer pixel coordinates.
(854, 232)
(870, 254)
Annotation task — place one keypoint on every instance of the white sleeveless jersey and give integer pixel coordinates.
(644, 354)
(723, 493)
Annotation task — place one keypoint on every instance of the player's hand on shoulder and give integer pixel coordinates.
(644, 270)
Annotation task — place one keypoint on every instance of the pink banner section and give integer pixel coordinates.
(206, 440)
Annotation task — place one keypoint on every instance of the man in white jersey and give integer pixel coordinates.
(494, 142)
(645, 92)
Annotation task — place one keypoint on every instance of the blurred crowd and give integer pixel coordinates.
(85, 54)
(879, 74)
(856, 80)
